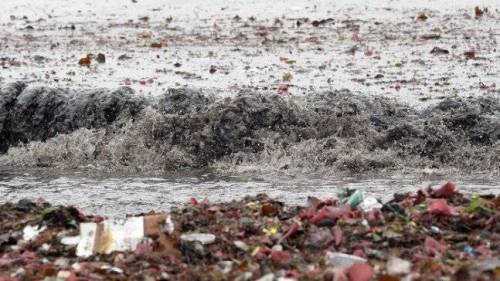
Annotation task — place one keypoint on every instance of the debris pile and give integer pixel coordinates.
(437, 234)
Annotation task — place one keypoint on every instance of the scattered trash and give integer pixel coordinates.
(117, 234)
(439, 234)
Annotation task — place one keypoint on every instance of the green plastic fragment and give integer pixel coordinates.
(477, 204)
(355, 199)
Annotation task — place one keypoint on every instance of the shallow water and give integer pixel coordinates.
(116, 195)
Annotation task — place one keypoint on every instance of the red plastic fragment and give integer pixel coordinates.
(306, 214)
(283, 89)
(332, 213)
(433, 247)
(291, 231)
(193, 201)
(360, 272)
(280, 257)
(338, 234)
(440, 207)
(446, 191)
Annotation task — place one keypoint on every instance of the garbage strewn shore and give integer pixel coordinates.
(433, 234)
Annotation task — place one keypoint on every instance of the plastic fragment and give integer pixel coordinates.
(241, 245)
(433, 247)
(435, 230)
(342, 260)
(355, 199)
(203, 238)
(116, 234)
(31, 232)
(369, 204)
(440, 207)
(445, 191)
(70, 240)
(331, 213)
(468, 250)
(360, 272)
(397, 266)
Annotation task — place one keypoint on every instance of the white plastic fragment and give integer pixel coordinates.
(45, 247)
(117, 234)
(86, 245)
(31, 232)
(225, 266)
(397, 266)
(70, 240)
(169, 225)
(63, 275)
(369, 204)
(203, 238)
(342, 260)
(241, 245)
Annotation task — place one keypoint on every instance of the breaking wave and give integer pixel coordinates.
(185, 129)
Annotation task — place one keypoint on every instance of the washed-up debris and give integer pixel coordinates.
(430, 36)
(478, 12)
(116, 235)
(422, 17)
(86, 61)
(470, 54)
(343, 260)
(101, 58)
(317, 23)
(369, 204)
(434, 234)
(397, 266)
(439, 51)
(203, 238)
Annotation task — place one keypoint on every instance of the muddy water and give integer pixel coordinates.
(125, 194)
